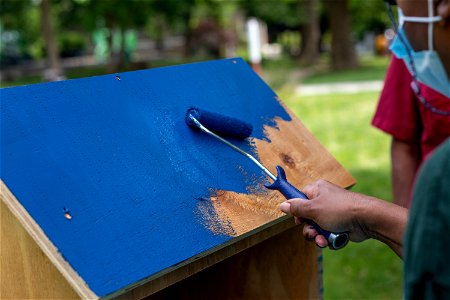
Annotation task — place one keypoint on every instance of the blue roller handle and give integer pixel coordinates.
(335, 240)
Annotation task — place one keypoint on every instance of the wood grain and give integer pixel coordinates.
(283, 267)
(294, 148)
(31, 267)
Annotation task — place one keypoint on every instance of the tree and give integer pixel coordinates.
(21, 18)
(301, 16)
(54, 71)
(343, 54)
(116, 15)
(310, 32)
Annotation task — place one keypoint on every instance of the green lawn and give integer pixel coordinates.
(368, 270)
(371, 68)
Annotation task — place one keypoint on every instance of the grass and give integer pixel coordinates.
(369, 270)
(371, 68)
(341, 122)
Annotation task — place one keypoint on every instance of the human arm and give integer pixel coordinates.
(338, 210)
(405, 159)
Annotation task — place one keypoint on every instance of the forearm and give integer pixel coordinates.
(405, 159)
(384, 221)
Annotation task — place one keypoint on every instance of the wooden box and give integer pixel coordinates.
(106, 193)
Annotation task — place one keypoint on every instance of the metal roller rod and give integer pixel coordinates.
(206, 130)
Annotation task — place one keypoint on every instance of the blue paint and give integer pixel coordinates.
(119, 157)
(224, 126)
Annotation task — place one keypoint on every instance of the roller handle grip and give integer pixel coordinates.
(335, 240)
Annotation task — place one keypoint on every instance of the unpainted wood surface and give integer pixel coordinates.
(283, 267)
(304, 159)
(26, 272)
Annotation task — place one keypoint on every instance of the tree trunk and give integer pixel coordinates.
(310, 33)
(160, 23)
(187, 34)
(343, 55)
(54, 71)
(122, 63)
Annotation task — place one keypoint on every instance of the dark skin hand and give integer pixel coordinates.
(338, 210)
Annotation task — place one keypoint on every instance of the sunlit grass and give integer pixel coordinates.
(341, 122)
(371, 68)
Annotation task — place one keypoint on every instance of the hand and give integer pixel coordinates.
(332, 208)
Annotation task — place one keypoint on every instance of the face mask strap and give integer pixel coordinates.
(430, 25)
(431, 20)
(402, 40)
(416, 89)
(414, 84)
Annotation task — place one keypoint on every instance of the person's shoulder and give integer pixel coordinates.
(441, 154)
(433, 181)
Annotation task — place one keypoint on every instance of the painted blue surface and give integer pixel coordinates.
(117, 154)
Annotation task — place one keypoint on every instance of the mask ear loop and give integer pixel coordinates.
(414, 84)
(430, 25)
(402, 39)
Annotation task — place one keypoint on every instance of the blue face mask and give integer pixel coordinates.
(425, 66)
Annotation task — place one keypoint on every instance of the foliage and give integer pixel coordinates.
(21, 19)
(71, 43)
(368, 16)
(284, 12)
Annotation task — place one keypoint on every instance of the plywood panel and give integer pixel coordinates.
(282, 267)
(26, 272)
(147, 195)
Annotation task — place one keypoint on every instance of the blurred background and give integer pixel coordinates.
(326, 59)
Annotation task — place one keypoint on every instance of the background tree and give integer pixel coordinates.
(54, 70)
(20, 19)
(300, 16)
(343, 54)
(368, 16)
(116, 15)
(310, 32)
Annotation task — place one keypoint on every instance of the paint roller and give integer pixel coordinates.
(217, 125)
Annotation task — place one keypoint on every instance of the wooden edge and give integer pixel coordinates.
(38, 235)
(189, 267)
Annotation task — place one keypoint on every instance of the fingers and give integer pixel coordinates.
(321, 241)
(298, 220)
(285, 207)
(311, 235)
(299, 208)
(310, 190)
(309, 232)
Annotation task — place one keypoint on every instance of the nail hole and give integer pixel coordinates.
(67, 214)
(118, 77)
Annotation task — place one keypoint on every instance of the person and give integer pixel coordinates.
(417, 235)
(421, 240)
(417, 125)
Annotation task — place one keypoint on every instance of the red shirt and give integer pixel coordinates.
(401, 114)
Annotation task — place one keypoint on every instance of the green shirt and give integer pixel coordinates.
(427, 237)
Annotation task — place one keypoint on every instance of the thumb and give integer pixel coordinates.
(296, 207)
